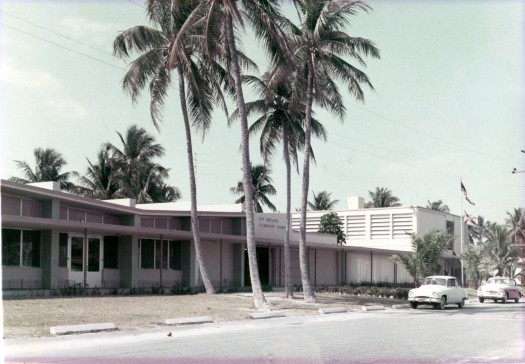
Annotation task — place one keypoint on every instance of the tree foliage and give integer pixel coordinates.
(423, 260)
(382, 197)
(262, 188)
(331, 224)
(438, 206)
(48, 167)
(322, 201)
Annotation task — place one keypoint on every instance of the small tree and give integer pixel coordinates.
(423, 260)
(473, 260)
(331, 224)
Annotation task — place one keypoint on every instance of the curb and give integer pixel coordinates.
(326, 311)
(189, 320)
(372, 308)
(266, 315)
(401, 306)
(80, 329)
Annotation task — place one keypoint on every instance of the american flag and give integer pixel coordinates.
(464, 190)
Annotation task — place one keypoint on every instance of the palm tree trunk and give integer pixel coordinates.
(258, 295)
(288, 292)
(193, 188)
(309, 295)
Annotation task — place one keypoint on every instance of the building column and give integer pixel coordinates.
(49, 258)
(128, 261)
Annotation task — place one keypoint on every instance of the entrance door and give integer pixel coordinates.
(84, 255)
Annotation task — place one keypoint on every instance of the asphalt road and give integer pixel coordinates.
(489, 332)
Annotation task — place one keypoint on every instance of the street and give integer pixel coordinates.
(488, 332)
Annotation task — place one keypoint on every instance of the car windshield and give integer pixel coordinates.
(497, 281)
(434, 281)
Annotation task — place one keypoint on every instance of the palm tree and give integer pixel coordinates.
(161, 55)
(220, 21)
(516, 222)
(502, 254)
(280, 120)
(319, 45)
(438, 206)
(262, 187)
(133, 170)
(476, 233)
(98, 181)
(48, 164)
(382, 197)
(322, 201)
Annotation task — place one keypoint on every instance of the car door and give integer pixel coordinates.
(454, 291)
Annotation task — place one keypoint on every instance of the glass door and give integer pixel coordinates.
(81, 255)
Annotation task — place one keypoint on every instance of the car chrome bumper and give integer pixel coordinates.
(423, 300)
(491, 294)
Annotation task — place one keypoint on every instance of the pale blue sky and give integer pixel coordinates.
(448, 103)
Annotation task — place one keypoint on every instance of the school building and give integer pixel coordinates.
(53, 239)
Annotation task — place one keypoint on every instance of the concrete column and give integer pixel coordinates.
(128, 260)
(49, 259)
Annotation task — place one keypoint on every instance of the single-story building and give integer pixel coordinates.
(53, 239)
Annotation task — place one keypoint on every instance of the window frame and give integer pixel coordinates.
(168, 262)
(22, 245)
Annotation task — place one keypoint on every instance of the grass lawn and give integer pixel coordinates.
(32, 317)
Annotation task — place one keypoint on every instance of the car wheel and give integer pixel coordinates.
(481, 299)
(517, 299)
(462, 303)
(442, 303)
(504, 299)
(413, 304)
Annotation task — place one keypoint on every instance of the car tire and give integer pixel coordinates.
(462, 303)
(504, 299)
(442, 303)
(481, 299)
(413, 304)
(517, 300)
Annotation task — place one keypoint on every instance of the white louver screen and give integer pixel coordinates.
(403, 225)
(380, 226)
(356, 227)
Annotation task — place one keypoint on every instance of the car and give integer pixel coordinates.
(499, 288)
(438, 291)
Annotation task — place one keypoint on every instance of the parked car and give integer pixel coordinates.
(438, 291)
(500, 288)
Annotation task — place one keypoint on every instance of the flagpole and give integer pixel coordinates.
(461, 238)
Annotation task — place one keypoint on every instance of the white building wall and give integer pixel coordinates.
(326, 267)
(383, 268)
(357, 267)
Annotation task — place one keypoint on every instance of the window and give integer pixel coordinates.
(450, 231)
(20, 248)
(31, 249)
(147, 253)
(153, 254)
(111, 252)
(62, 250)
(11, 247)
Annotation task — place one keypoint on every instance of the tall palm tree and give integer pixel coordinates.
(48, 164)
(516, 222)
(279, 120)
(322, 201)
(221, 20)
(161, 55)
(438, 206)
(382, 197)
(320, 43)
(133, 170)
(262, 188)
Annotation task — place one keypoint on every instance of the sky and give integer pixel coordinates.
(447, 104)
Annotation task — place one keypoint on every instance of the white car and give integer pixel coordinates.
(438, 291)
(499, 288)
